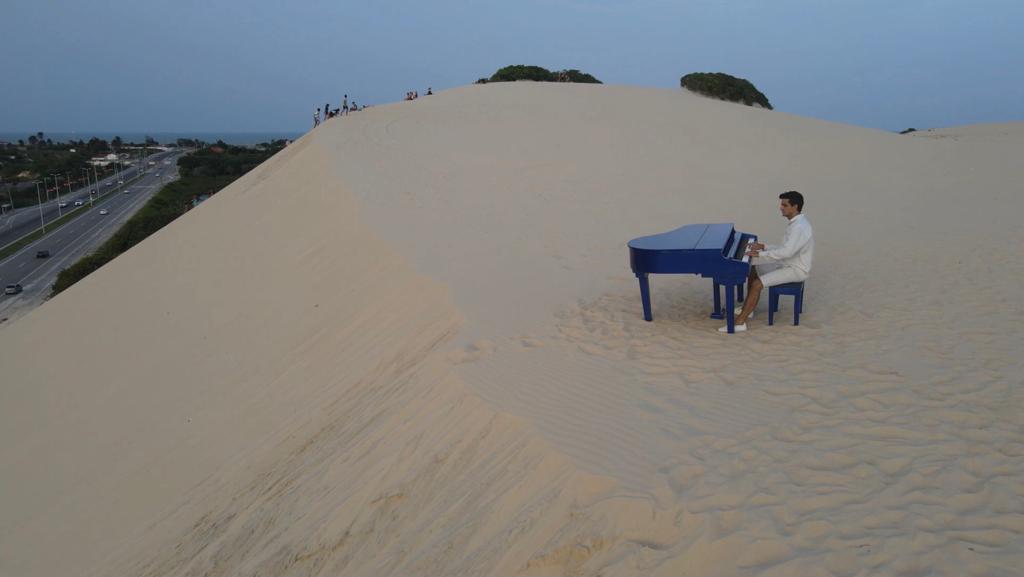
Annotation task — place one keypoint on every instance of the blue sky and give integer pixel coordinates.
(220, 66)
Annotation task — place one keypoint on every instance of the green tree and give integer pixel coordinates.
(573, 75)
(725, 87)
(116, 143)
(539, 74)
(96, 145)
(522, 72)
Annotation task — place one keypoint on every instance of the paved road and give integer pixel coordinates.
(20, 222)
(75, 240)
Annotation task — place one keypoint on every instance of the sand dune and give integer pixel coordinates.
(411, 344)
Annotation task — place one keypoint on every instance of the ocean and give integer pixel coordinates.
(238, 138)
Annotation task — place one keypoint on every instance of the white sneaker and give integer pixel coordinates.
(738, 328)
(738, 310)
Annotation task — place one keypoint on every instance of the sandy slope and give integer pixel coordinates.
(411, 344)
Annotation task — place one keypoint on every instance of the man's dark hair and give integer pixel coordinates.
(794, 198)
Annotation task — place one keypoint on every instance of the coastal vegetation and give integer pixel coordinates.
(203, 173)
(36, 157)
(539, 74)
(220, 159)
(725, 87)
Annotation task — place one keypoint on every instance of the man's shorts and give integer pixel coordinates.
(774, 274)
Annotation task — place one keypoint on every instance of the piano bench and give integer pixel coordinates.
(793, 289)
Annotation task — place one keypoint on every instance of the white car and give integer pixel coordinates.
(104, 211)
(63, 204)
(79, 202)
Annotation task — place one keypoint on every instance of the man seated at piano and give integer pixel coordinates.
(774, 265)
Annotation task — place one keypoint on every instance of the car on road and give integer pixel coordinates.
(12, 289)
(110, 184)
(120, 182)
(104, 211)
(43, 253)
(63, 204)
(79, 202)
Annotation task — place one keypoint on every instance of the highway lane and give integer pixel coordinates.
(73, 241)
(24, 220)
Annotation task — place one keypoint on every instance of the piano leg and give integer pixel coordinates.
(645, 295)
(716, 313)
(730, 309)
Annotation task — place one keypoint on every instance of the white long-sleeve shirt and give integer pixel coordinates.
(797, 248)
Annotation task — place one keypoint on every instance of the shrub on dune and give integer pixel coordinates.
(538, 74)
(725, 87)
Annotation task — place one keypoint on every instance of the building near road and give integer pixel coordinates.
(103, 160)
(124, 158)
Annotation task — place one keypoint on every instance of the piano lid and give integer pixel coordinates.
(689, 237)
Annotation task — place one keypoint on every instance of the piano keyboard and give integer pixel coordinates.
(742, 252)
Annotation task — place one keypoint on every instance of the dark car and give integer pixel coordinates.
(12, 289)
(42, 253)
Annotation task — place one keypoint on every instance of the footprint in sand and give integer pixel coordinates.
(682, 477)
(531, 342)
(472, 353)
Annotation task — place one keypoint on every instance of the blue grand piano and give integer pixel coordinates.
(710, 250)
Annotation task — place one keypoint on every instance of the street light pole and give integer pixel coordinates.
(56, 186)
(42, 222)
(87, 188)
